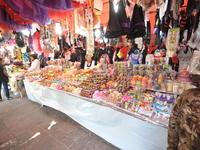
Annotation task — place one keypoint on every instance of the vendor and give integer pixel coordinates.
(35, 63)
(89, 63)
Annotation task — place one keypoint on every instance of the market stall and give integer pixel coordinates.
(114, 125)
(130, 103)
(116, 67)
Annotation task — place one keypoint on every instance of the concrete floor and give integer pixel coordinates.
(25, 125)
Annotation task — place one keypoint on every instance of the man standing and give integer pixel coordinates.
(4, 80)
(184, 124)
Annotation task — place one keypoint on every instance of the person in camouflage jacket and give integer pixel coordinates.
(184, 123)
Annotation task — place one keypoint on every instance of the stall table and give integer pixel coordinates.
(119, 128)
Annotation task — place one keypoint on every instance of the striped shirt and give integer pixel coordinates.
(135, 58)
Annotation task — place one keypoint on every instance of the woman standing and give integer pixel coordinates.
(35, 63)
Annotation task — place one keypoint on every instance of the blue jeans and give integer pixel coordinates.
(5, 85)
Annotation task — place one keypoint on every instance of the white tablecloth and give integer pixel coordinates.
(124, 131)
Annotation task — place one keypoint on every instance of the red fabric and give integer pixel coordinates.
(77, 4)
(124, 50)
(6, 27)
(15, 16)
(36, 42)
(58, 15)
(61, 15)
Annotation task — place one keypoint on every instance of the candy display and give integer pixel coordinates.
(144, 90)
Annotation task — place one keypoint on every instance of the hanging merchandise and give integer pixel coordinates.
(172, 41)
(30, 41)
(194, 41)
(184, 55)
(176, 4)
(146, 4)
(90, 37)
(194, 67)
(19, 39)
(159, 2)
(192, 6)
(113, 29)
(137, 23)
(47, 46)
(110, 52)
(2, 41)
(18, 54)
(123, 17)
(81, 18)
(157, 29)
(36, 42)
(163, 6)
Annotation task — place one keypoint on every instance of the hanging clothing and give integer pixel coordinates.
(19, 39)
(114, 29)
(122, 17)
(80, 56)
(2, 41)
(19, 55)
(30, 41)
(144, 54)
(148, 32)
(43, 60)
(135, 58)
(191, 5)
(110, 52)
(137, 23)
(36, 43)
(157, 30)
(176, 4)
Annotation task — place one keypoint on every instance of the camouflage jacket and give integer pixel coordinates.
(184, 123)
